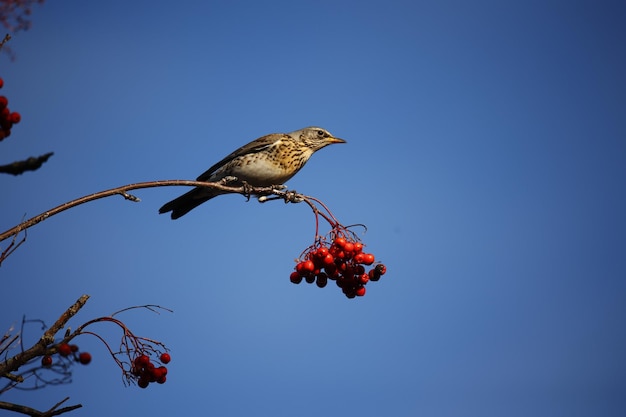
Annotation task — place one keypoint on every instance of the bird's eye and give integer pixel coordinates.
(320, 133)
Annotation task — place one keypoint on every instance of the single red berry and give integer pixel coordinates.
(295, 277)
(348, 247)
(364, 278)
(141, 361)
(161, 379)
(360, 291)
(321, 251)
(381, 269)
(46, 361)
(340, 242)
(165, 358)
(143, 382)
(84, 358)
(322, 279)
(15, 117)
(74, 348)
(328, 259)
(373, 275)
(358, 247)
(359, 258)
(310, 278)
(1, 83)
(308, 266)
(64, 349)
(3, 102)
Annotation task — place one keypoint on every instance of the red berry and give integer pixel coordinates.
(141, 361)
(308, 266)
(381, 269)
(143, 382)
(310, 278)
(340, 242)
(358, 247)
(46, 361)
(321, 251)
(1, 83)
(328, 259)
(15, 117)
(64, 349)
(165, 358)
(322, 279)
(295, 277)
(84, 358)
(368, 258)
(3, 102)
(74, 348)
(161, 379)
(360, 291)
(364, 278)
(348, 247)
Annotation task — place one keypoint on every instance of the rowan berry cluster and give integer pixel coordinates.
(146, 371)
(7, 118)
(68, 352)
(342, 260)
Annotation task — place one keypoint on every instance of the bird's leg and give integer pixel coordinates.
(247, 190)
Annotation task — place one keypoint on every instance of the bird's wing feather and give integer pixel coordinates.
(255, 146)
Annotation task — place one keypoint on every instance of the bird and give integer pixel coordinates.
(269, 160)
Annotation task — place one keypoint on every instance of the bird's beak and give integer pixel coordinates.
(336, 140)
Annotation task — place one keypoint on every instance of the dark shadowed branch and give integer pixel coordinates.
(54, 411)
(30, 164)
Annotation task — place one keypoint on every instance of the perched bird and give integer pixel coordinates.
(268, 160)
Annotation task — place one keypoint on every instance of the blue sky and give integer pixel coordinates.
(486, 154)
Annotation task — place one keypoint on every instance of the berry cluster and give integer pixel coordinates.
(70, 352)
(342, 261)
(146, 372)
(7, 118)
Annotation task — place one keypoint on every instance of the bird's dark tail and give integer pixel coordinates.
(188, 201)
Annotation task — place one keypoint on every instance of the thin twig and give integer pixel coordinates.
(54, 411)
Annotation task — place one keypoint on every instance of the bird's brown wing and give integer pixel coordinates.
(255, 146)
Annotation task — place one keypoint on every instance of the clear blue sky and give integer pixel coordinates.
(486, 154)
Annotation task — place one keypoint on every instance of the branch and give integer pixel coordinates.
(244, 190)
(39, 348)
(36, 413)
(30, 164)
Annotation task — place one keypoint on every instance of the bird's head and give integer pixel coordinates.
(315, 138)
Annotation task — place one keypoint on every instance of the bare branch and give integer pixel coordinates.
(54, 411)
(244, 190)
